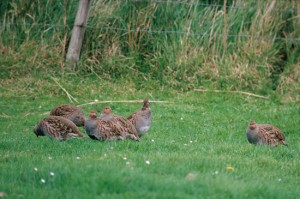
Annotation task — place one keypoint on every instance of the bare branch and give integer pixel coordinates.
(119, 101)
(240, 92)
(71, 98)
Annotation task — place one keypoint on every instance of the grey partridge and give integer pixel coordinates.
(264, 134)
(71, 112)
(118, 120)
(57, 127)
(141, 119)
(103, 129)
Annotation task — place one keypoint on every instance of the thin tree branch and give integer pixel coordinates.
(71, 98)
(240, 92)
(119, 101)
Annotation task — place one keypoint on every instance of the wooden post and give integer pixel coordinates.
(75, 44)
(298, 12)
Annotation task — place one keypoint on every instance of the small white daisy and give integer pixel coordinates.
(127, 163)
(152, 140)
(279, 180)
(147, 162)
(96, 100)
(181, 118)
(52, 173)
(124, 158)
(43, 181)
(216, 172)
(191, 141)
(185, 144)
(35, 169)
(77, 158)
(50, 158)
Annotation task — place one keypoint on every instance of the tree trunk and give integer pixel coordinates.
(75, 44)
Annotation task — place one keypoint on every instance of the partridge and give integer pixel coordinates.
(264, 134)
(57, 127)
(141, 119)
(71, 112)
(103, 129)
(118, 120)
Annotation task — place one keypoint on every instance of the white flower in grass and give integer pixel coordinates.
(181, 118)
(124, 158)
(127, 163)
(96, 100)
(147, 162)
(35, 169)
(185, 144)
(50, 158)
(52, 173)
(279, 180)
(152, 140)
(191, 141)
(216, 172)
(77, 158)
(40, 106)
(43, 181)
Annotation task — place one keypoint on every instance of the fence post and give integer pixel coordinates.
(298, 12)
(75, 44)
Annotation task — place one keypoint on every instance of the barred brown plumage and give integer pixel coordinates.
(71, 112)
(141, 119)
(264, 134)
(57, 127)
(105, 129)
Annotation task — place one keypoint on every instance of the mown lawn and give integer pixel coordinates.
(196, 148)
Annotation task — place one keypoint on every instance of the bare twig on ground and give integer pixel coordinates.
(119, 101)
(241, 92)
(71, 98)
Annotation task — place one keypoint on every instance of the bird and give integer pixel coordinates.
(57, 127)
(71, 112)
(102, 129)
(141, 119)
(118, 120)
(264, 134)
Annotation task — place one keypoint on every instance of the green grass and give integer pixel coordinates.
(197, 133)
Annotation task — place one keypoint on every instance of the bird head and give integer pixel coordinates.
(106, 110)
(93, 114)
(252, 125)
(146, 104)
(37, 130)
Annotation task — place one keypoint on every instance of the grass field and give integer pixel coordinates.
(196, 147)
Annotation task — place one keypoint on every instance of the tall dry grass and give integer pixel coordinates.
(183, 45)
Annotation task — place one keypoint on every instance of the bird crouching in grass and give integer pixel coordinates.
(71, 112)
(141, 119)
(103, 129)
(264, 134)
(118, 120)
(57, 127)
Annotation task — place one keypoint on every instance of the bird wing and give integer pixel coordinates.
(63, 110)
(62, 126)
(271, 134)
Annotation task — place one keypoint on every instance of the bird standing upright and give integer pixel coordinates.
(57, 127)
(103, 129)
(141, 119)
(264, 134)
(71, 112)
